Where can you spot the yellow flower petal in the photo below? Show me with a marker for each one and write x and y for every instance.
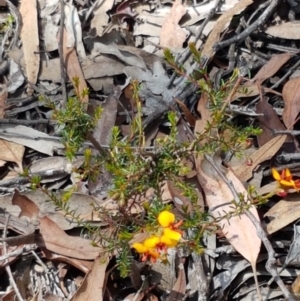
(168, 242)
(287, 183)
(151, 242)
(140, 248)
(171, 234)
(287, 173)
(276, 174)
(166, 218)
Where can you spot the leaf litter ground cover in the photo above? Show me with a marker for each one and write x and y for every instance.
(149, 150)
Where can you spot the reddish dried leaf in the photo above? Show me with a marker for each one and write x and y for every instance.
(83, 265)
(9, 296)
(266, 152)
(187, 113)
(56, 240)
(272, 66)
(28, 207)
(249, 89)
(140, 297)
(268, 122)
(172, 35)
(53, 237)
(103, 130)
(291, 97)
(203, 110)
(73, 66)
(30, 40)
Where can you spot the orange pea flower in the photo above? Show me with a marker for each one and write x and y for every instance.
(285, 179)
(154, 246)
(148, 249)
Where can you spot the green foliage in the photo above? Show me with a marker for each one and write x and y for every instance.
(136, 169)
(213, 138)
(75, 121)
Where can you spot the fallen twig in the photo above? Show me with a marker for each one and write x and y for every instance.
(254, 26)
(187, 54)
(7, 267)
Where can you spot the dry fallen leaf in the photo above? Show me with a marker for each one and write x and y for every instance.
(271, 67)
(102, 135)
(179, 288)
(208, 50)
(73, 66)
(267, 188)
(28, 207)
(238, 229)
(296, 286)
(268, 122)
(250, 90)
(83, 265)
(203, 110)
(247, 90)
(52, 237)
(81, 203)
(101, 18)
(172, 35)
(56, 240)
(12, 152)
(291, 97)
(187, 113)
(30, 40)
(283, 213)
(288, 30)
(264, 153)
(93, 285)
(30, 137)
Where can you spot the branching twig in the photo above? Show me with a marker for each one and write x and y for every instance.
(254, 26)
(7, 266)
(186, 55)
(286, 157)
